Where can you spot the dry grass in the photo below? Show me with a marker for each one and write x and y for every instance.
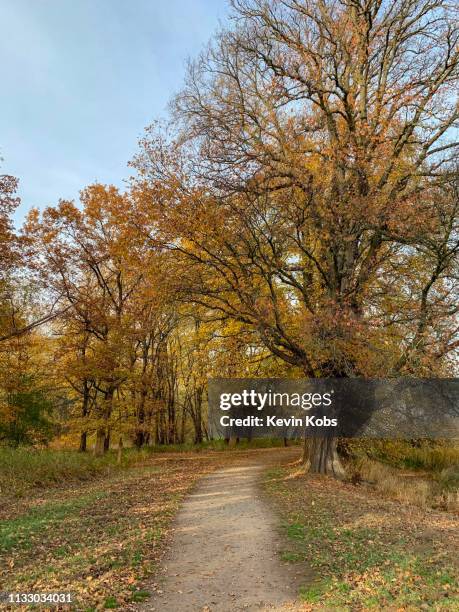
(421, 489)
(424, 455)
(393, 485)
(420, 472)
(26, 469)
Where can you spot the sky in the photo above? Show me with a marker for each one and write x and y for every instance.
(81, 79)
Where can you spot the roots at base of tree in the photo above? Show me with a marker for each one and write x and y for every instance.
(320, 455)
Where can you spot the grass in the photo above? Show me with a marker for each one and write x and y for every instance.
(89, 526)
(222, 445)
(436, 490)
(425, 455)
(101, 536)
(18, 533)
(24, 469)
(366, 552)
(101, 540)
(426, 474)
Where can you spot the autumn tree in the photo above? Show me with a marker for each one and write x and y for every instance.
(21, 307)
(28, 394)
(25, 392)
(9, 201)
(308, 183)
(117, 316)
(9, 254)
(84, 257)
(153, 381)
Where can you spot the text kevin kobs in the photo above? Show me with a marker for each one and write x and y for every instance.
(255, 400)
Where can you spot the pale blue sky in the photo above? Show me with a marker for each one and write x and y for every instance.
(80, 80)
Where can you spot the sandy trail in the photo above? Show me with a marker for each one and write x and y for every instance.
(225, 550)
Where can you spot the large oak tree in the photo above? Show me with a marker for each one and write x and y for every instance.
(310, 184)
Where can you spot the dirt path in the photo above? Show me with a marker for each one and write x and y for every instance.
(225, 551)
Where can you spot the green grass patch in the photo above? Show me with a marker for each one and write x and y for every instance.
(19, 532)
(363, 557)
(111, 603)
(140, 595)
(313, 593)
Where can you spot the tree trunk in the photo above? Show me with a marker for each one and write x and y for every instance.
(139, 439)
(120, 450)
(140, 433)
(171, 423)
(182, 427)
(197, 428)
(233, 441)
(99, 446)
(83, 442)
(102, 444)
(197, 415)
(321, 456)
(84, 414)
(107, 441)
